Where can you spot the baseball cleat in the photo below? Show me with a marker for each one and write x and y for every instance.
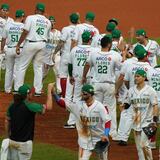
(122, 143)
(69, 126)
(37, 94)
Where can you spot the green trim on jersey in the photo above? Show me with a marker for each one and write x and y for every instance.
(34, 107)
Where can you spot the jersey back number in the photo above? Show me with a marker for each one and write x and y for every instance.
(102, 69)
(81, 61)
(156, 86)
(40, 31)
(14, 38)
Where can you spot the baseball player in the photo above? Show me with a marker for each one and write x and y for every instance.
(104, 63)
(10, 38)
(78, 57)
(36, 33)
(154, 82)
(143, 100)
(87, 26)
(141, 54)
(49, 49)
(92, 122)
(20, 119)
(150, 45)
(4, 11)
(65, 46)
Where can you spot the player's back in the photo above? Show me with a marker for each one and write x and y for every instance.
(78, 56)
(104, 65)
(66, 36)
(12, 33)
(130, 73)
(80, 28)
(38, 26)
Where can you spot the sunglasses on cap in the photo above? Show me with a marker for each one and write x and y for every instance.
(85, 93)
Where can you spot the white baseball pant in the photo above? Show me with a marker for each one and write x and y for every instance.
(125, 124)
(32, 51)
(105, 93)
(11, 66)
(142, 145)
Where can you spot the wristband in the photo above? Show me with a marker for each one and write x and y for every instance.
(56, 97)
(106, 131)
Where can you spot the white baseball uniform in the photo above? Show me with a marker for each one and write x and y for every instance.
(125, 122)
(78, 57)
(142, 102)
(66, 37)
(38, 27)
(104, 65)
(153, 48)
(90, 125)
(11, 33)
(80, 28)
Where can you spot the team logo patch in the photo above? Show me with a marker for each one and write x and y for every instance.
(109, 58)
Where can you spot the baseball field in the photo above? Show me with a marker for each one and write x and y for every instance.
(52, 142)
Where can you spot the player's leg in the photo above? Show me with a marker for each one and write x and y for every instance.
(110, 102)
(84, 154)
(137, 137)
(45, 70)
(38, 67)
(125, 126)
(56, 71)
(69, 95)
(63, 73)
(10, 60)
(24, 61)
(145, 146)
(98, 91)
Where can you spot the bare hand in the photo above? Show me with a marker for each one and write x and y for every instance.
(121, 107)
(84, 80)
(104, 139)
(71, 80)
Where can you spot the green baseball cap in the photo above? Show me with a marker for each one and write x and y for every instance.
(114, 20)
(109, 36)
(141, 73)
(141, 32)
(110, 27)
(88, 88)
(90, 16)
(5, 6)
(40, 7)
(74, 17)
(140, 52)
(116, 33)
(20, 13)
(86, 36)
(24, 90)
(52, 18)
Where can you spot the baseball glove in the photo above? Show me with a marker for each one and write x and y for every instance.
(150, 130)
(101, 147)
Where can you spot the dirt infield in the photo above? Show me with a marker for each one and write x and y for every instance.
(137, 13)
(49, 129)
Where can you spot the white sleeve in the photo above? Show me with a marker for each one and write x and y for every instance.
(27, 24)
(153, 97)
(75, 35)
(118, 61)
(64, 34)
(4, 33)
(123, 68)
(126, 77)
(104, 114)
(70, 106)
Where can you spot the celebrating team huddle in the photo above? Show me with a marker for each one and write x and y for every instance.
(95, 73)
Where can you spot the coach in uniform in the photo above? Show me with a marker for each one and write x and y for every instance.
(20, 122)
(36, 33)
